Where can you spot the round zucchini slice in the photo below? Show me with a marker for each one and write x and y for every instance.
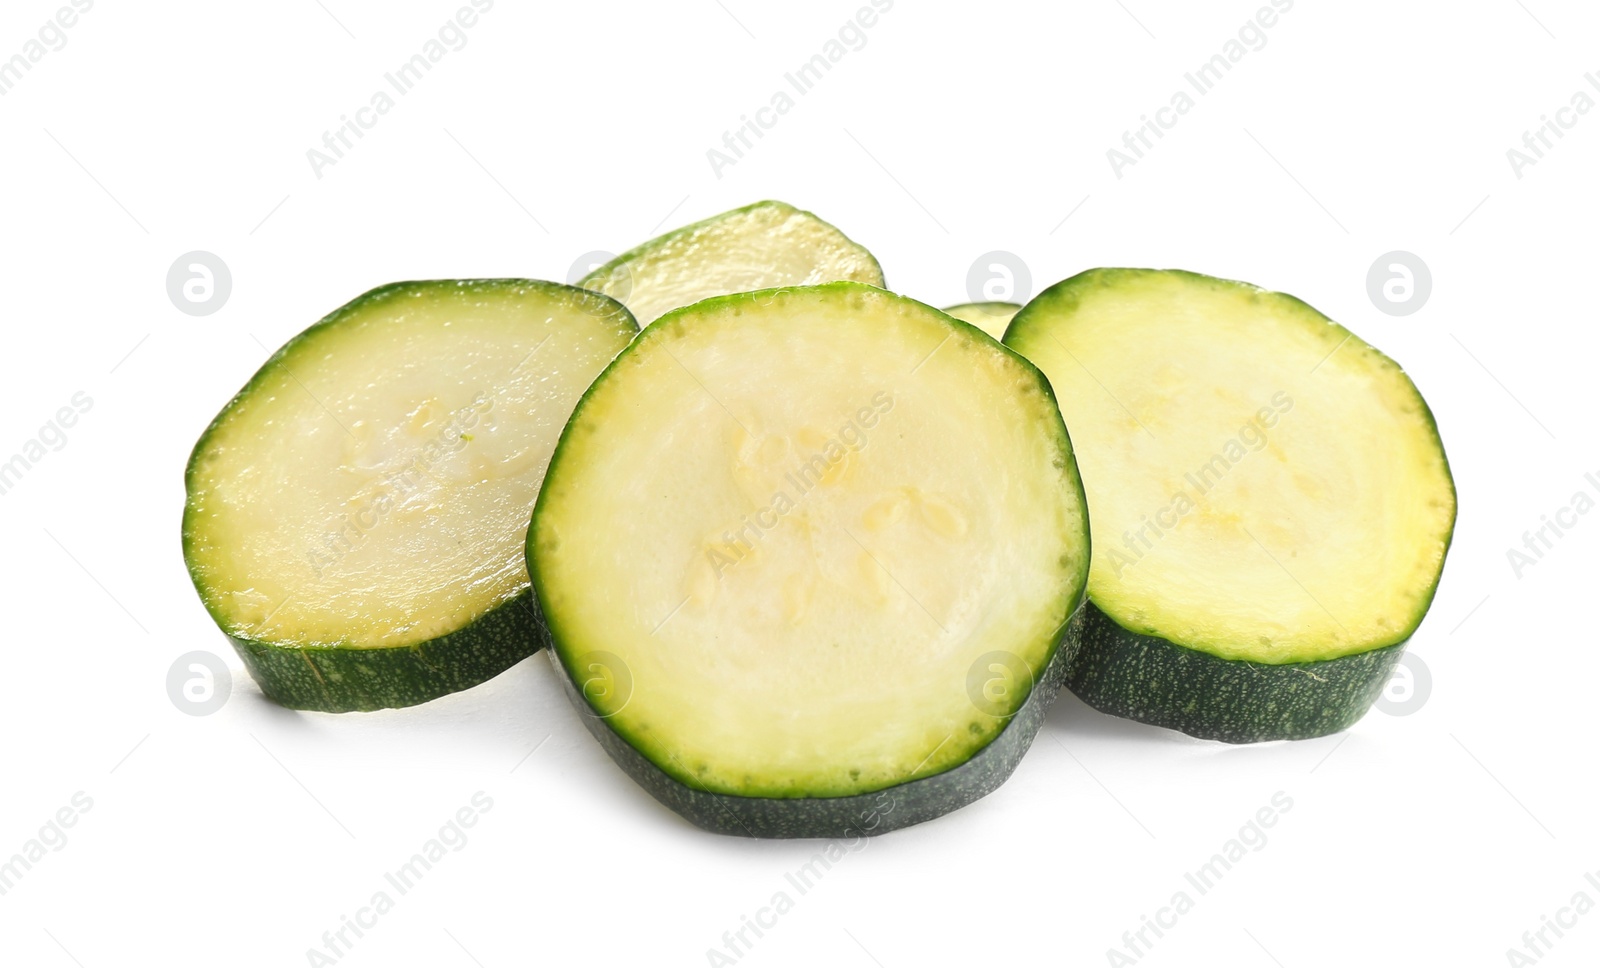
(991, 317)
(356, 515)
(809, 558)
(760, 246)
(1271, 502)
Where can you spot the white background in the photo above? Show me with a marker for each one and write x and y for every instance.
(239, 838)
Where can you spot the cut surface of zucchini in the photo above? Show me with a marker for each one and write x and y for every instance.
(356, 515)
(760, 246)
(991, 317)
(793, 552)
(1266, 488)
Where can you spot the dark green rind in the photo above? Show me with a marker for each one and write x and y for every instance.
(336, 679)
(1151, 680)
(601, 273)
(860, 815)
(342, 680)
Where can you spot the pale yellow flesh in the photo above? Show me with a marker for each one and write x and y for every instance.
(373, 489)
(1293, 497)
(932, 517)
(763, 246)
(991, 317)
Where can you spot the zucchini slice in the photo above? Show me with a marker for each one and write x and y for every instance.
(991, 317)
(760, 246)
(1271, 502)
(809, 556)
(356, 515)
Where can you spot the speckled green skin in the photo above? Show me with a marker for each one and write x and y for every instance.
(861, 815)
(343, 680)
(1152, 680)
